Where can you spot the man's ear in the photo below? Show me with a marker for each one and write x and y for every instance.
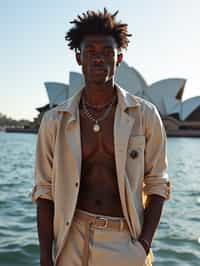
(78, 58)
(119, 58)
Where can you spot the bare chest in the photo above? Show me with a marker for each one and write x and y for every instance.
(95, 144)
(98, 173)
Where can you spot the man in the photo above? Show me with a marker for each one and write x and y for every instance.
(101, 162)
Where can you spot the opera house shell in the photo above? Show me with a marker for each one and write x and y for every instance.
(181, 118)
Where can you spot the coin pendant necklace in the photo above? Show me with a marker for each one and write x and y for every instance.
(96, 126)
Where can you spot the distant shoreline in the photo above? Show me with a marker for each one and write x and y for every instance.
(170, 133)
(21, 130)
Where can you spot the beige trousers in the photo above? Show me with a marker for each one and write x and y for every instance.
(94, 245)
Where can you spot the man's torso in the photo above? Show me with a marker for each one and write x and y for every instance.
(99, 189)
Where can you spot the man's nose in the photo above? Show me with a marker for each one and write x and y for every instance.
(98, 60)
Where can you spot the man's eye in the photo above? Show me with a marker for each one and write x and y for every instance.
(90, 52)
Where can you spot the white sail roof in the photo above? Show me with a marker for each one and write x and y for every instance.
(57, 92)
(165, 94)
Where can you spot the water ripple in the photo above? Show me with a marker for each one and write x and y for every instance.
(177, 239)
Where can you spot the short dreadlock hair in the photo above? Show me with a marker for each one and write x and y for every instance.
(99, 22)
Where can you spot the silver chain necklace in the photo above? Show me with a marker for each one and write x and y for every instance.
(102, 106)
(96, 126)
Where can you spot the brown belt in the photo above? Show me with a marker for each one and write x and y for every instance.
(99, 222)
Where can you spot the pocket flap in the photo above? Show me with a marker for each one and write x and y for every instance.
(137, 140)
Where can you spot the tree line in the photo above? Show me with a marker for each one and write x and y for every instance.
(6, 121)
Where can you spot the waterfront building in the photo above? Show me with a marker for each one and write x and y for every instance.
(180, 117)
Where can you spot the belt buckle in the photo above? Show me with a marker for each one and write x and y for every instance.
(103, 219)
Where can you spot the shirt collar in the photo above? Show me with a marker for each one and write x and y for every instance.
(125, 100)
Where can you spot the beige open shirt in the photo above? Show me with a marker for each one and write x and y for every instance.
(138, 131)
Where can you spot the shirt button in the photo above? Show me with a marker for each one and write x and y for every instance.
(76, 184)
(134, 154)
(67, 223)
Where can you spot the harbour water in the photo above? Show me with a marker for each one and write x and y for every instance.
(177, 241)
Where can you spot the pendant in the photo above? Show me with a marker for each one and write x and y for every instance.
(96, 127)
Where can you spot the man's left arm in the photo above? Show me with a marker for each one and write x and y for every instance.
(156, 183)
(152, 214)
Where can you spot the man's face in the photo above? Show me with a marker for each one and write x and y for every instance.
(98, 57)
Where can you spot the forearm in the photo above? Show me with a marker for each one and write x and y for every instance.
(45, 213)
(152, 216)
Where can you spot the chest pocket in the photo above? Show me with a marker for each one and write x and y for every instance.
(135, 161)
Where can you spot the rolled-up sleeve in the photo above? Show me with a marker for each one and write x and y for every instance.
(43, 162)
(156, 180)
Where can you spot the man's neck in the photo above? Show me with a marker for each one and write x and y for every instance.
(96, 94)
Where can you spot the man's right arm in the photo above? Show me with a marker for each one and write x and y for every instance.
(42, 190)
(45, 213)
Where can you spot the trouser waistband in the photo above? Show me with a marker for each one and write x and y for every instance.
(98, 221)
(102, 221)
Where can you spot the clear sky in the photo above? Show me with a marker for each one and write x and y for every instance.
(165, 44)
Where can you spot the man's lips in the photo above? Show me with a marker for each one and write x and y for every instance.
(98, 70)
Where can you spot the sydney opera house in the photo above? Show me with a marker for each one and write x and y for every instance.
(181, 118)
